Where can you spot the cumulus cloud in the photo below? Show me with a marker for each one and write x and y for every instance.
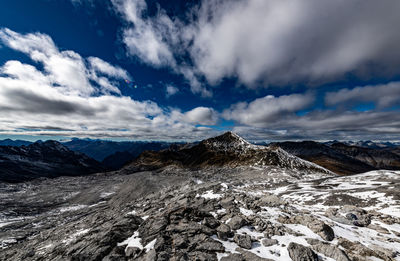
(171, 90)
(67, 69)
(384, 95)
(201, 115)
(70, 95)
(145, 39)
(264, 111)
(288, 117)
(268, 42)
(328, 125)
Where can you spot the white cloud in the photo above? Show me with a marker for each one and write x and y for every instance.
(328, 125)
(264, 111)
(384, 95)
(104, 67)
(145, 38)
(268, 42)
(171, 90)
(71, 96)
(156, 41)
(201, 115)
(66, 69)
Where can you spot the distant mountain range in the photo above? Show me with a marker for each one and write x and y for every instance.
(345, 159)
(21, 160)
(10, 142)
(368, 144)
(44, 159)
(111, 153)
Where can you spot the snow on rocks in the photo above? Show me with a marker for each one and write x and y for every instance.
(256, 216)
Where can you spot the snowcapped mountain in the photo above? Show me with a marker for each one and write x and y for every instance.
(226, 150)
(43, 159)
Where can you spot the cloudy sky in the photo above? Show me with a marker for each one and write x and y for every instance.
(186, 70)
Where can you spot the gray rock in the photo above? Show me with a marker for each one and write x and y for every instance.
(271, 200)
(269, 242)
(223, 232)
(299, 252)
(179, 241)
(211, 245)
(331, 251)
(236, 222)
(322, 229)
(132, 251)
(233, 257)
(202, 256)
(243, 241)
(313, 241)
(249, 256)
(227, 202)
(210, 222)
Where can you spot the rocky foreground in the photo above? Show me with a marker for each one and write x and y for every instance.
(213, 214)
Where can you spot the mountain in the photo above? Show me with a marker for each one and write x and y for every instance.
(117, 160)
(377, 158)
(325, 156)
(227, 150)
(101, 149)
(262, 204)
(10, 142)
(342, 158)
(43, 159)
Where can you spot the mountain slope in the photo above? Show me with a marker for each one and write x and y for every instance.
(43, 159)
(101, 149)
(378, 158)
(325, 156)
(227, 150)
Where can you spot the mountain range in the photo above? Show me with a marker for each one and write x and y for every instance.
(23, 160)
(113, 154)
(43, 159)
(221, 199)
(226, 150)
(342, 158)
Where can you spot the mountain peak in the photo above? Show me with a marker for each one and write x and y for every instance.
(229, 137)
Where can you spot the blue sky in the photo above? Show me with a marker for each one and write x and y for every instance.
(186, 70)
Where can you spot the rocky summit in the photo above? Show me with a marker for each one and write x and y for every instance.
(188, 209)
(227, 150)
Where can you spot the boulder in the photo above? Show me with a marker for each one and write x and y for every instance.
(243, 241)
(236, 222)
(299, 252)
(331, 251)
(233, 257)
(322, 229)
(211, 245)
(223, 232)
(269, 242)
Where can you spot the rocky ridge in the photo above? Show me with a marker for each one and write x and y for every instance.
(227, 150)
(43, 159)
(342, 158)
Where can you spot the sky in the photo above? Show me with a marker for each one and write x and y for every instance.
(268, 70)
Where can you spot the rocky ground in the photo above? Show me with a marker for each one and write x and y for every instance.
(212, 214)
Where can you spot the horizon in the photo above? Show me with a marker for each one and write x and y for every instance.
(34, 139)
